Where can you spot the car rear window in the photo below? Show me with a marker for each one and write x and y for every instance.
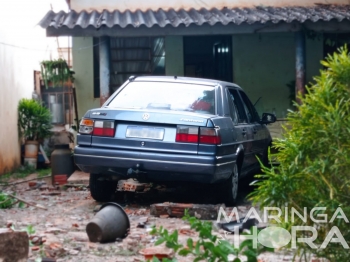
(166, 96)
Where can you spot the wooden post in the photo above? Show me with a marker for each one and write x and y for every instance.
(300, 64)
(104, 50)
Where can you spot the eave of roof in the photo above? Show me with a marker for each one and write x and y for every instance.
(225, 16)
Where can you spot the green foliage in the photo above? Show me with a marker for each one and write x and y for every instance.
(314, 157)
(30, 229)
(56, 71)
(6, 201)
(23, 172)
(209, 247)
(34, 120)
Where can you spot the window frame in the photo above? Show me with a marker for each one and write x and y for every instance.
(248, 105)
(241, 113)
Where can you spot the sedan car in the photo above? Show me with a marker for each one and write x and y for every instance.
(172, 129)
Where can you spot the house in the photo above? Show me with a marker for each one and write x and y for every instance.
(22, 46)
(270, 48)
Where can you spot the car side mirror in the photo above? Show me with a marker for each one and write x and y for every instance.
(268, 118)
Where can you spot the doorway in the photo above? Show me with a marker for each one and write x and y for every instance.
(208, 57)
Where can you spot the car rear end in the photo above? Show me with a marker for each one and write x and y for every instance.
(155, 131)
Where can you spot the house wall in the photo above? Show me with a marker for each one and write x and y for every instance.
(263, 65)
(174, 56)
(89, 5)
(83, 67)
(23, 45)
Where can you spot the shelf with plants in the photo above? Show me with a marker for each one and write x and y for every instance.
(56, 73)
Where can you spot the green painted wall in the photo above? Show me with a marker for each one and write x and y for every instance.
(174, 55)
(83, 67)
(264, 63)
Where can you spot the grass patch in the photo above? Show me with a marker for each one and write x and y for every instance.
(23, 172)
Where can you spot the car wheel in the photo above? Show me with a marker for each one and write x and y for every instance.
(101, 190)
(230, 189)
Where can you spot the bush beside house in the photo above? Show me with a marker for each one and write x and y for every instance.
(314, 157)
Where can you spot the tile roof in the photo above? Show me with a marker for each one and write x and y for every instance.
(162, 18)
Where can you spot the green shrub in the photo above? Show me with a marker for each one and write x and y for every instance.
(314, 157)
(34, 120)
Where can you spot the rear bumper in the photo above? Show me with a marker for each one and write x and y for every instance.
(154, 166)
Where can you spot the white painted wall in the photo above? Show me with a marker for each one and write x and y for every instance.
(89, 5)
(23, 45)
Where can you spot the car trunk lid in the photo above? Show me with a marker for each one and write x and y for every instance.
(153, 130)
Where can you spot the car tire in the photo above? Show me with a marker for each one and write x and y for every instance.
(230, 187)
(102, 190)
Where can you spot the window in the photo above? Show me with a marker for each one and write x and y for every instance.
(253, 116)
(242, 117)
(136, 56)
(166, 96)
(233, 110)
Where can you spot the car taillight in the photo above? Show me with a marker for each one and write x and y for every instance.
(187, 134)
(97, 127)
(103, 128)
(209, 136)
(86, 126)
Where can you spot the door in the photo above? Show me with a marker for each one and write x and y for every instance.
(244, 130)
(259, 134)
(208, 57)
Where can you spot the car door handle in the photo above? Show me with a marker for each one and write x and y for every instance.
(244, 132)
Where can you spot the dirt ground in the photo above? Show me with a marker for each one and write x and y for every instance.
(61, 227)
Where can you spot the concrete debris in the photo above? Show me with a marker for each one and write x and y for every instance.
(37, 240)
(73, 252)
(52, 193)
(36, 184)
(142, 222)
(79, 177)
(55, 230)
(48, 259)
(54, 250)
(159, 252)
(131, 185)
(14, 245)
(186, 230)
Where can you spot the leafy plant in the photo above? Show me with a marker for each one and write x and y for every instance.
(34, 120)
(56, 71)
(6, 201)
(314, 158)
(208, 247)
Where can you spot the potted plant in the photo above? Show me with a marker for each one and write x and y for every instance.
(56, 72)
(34, 122)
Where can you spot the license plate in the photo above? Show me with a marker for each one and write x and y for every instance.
(145, 132)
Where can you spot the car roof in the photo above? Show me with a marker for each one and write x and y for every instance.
(181, 79)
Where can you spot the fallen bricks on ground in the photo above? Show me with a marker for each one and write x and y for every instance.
(200, 211)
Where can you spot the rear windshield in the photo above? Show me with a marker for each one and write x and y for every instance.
(166, 96)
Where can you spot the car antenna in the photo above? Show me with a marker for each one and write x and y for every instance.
(257, 100)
